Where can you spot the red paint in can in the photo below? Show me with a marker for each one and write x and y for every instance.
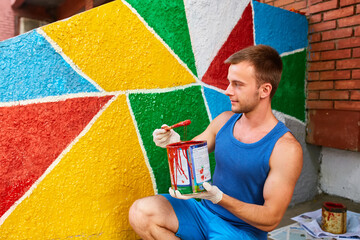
(189, 166)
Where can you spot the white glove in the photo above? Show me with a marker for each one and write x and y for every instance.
(162, 137)
(213, 193)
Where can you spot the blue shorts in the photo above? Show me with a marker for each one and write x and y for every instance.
(197, 222)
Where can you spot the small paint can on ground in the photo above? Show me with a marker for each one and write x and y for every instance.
(333, 219)
(189, 166)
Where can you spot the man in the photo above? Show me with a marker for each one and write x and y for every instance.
(258, 162)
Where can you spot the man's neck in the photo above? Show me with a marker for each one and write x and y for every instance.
(253, 126)
(261, 117)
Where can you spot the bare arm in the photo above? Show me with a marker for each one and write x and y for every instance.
(210, 132)
(285, 168)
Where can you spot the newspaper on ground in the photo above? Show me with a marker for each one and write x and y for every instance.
(311, 221)
(291, 232)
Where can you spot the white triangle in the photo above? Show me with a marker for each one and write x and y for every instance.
(210, 23)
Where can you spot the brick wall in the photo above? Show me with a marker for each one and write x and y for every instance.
(7, 20)
(333, 80)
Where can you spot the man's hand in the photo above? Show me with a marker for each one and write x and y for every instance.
(213, 193)
(162, 137)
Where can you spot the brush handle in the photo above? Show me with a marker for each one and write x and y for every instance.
(180, 124)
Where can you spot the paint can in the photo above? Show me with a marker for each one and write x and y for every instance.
(189, 166)
(333, 218)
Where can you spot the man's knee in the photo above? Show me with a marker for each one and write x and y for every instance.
(144, 209)
(138, 210)
(153, 216)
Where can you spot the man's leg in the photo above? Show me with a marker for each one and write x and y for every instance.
(154, 218)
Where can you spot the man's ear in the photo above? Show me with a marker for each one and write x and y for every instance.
(265, 90)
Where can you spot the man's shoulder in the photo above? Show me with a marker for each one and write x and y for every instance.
(225, 116)
(222, 118)
(288, 143)
(220, 121)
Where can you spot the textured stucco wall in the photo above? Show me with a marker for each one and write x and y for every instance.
(307, 185)
(79, 100)
(340, 173)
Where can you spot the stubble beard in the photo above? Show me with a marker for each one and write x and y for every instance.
(247, 106)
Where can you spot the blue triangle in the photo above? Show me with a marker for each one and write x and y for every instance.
(30, 68)
(279, 28)
(217, 102)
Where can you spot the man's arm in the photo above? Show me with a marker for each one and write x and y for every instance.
(285, 168)
(210, 132)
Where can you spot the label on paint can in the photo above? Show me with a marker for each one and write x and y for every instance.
(189, 166)
(201, 165)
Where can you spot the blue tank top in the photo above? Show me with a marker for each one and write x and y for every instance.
(241, 170)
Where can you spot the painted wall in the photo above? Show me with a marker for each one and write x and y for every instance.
(341, 181)
(79, 100)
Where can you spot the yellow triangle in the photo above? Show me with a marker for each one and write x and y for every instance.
(114, 48)
(89, 192)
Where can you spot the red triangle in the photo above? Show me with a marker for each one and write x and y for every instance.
(33, 136)
(241, 37)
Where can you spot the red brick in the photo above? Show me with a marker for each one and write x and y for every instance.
(280, 3)
(338, 33)
(349, 21)
(321, 46)
(316, 37)
(312, 95)
(314, 56)
(347, 105)
(356, 52)
(315, 1)
(313, 76)
(348, 42)
(339, 13)
(269, 2)
(334, 128)
(296, 6)
(318, 27)
(315, 18)
(319, 66)
(355, 74)
(357, 30)
(319, 104)
(7, 23)
(348, 64)
(342, 95)
(348, 2)
(355, 95)
(89, 4)
(335, 75)
(323, 85)
(336, 54)
(347, 84)
(323, 6)
(358, 9)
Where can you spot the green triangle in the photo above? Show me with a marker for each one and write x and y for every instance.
(168, 19)
(290, 95)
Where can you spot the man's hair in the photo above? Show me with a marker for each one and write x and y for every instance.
(266, 62)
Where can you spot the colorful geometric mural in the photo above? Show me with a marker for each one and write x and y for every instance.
(80, 98)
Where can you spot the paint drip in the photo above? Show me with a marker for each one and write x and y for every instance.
(189, 166)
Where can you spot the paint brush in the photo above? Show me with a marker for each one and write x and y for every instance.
(180, 124)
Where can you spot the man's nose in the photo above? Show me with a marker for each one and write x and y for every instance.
(228, 90)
